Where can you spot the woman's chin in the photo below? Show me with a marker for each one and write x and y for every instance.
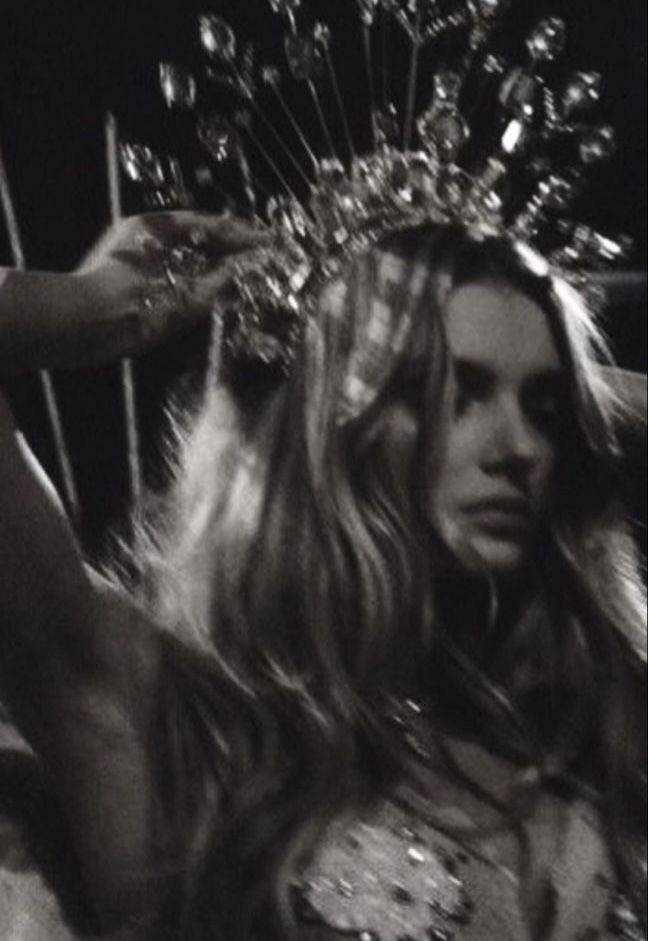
(501, 557)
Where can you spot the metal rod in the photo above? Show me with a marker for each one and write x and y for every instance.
(385, 59)
(127, 369)
(47, 386)
(411, 96)
(270, 126)
(284, 146)
(320, 114)
(10, 217)
(366, 34)
(340, 103)
(271, 163)
(295, 125)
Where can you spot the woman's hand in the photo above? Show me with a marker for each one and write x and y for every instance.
(151, 275)
(148, 277)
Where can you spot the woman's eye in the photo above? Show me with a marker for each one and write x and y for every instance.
(471, 387)
(462, 402)
(545, 411)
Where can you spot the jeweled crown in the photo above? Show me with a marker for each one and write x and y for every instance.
(520, 179)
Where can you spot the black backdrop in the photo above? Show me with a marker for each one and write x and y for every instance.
(63, 63)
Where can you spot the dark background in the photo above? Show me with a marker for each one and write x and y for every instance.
(64, 63)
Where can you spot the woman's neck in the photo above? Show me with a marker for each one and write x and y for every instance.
(482, 618)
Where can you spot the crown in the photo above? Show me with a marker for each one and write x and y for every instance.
(496, 148)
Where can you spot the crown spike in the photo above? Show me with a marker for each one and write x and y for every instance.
(412, 86)
(330, 143)
(254, 138)
(349, 208)
(248, 92)
(284, 146)
(384, 62)
(323, 34)
(368, 60)
(304, 59)
(272, 79)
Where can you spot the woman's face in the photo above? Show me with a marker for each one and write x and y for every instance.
(496, 474)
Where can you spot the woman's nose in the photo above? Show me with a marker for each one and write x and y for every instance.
(514, 442)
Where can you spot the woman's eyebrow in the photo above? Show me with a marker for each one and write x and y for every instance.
(478, 368)
(473, 369)
(550, 379)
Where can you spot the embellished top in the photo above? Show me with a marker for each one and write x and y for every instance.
(451, 869)
(446, 869)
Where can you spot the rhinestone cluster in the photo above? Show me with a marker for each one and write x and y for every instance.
(329, 208)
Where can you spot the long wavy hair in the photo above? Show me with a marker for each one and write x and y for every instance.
(300, 576)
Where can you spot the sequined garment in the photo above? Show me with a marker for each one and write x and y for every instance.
(392, 876)
(389, 877)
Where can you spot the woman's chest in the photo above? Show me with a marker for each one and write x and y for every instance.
(387, 878)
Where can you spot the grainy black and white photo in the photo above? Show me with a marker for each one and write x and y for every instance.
(323, 470)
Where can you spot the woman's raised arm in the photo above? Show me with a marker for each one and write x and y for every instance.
(146, 278)
(78, 671)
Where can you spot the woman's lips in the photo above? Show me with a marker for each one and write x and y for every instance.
(501, 516)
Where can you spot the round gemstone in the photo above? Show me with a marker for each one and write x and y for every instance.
(557, 192)
(285, 7)
(304, 57)
(548, 40)
(178, 87)
(141, 165)
(599, 145)
(322, 34)
(447, 86)
(444, 131)
(582, 91)
(218, 137)
(368, 10)
(520, 93)
(217, 37)
(490, 9)
(271, 75)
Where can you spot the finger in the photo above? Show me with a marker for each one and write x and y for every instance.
(120, 234)
(146, 263)
(223, 232)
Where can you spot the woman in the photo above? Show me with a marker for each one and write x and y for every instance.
(397, 692)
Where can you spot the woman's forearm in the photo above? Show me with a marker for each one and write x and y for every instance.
(128, 295)
(43, 318)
